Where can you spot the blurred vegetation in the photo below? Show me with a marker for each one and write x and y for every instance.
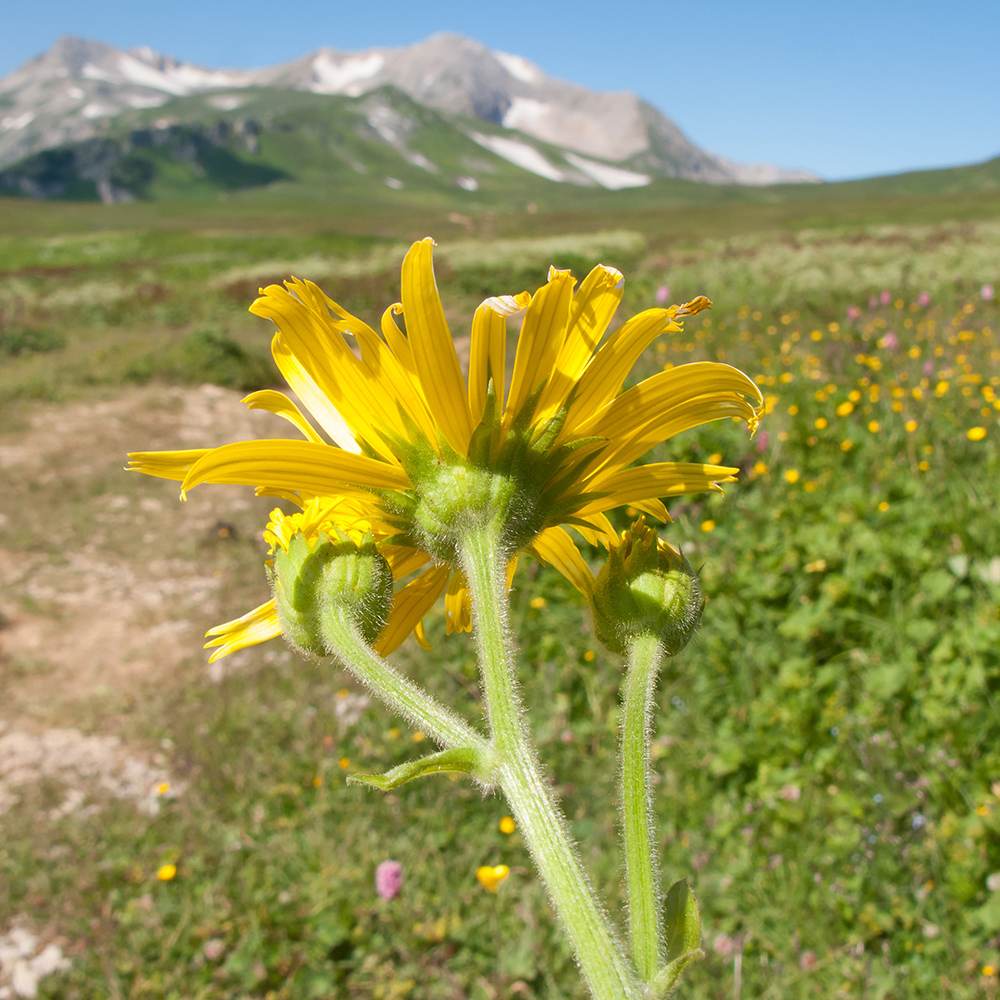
(827, 754)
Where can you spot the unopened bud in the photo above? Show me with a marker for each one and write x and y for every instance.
(318, 571)
(646, 587)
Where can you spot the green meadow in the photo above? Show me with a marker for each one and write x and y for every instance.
(826, 753)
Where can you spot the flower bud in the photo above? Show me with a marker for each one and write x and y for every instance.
(319, 570)
(645, 587)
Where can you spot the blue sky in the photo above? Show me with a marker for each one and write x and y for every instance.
(843, 89)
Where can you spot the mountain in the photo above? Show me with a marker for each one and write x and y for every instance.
(65, 118)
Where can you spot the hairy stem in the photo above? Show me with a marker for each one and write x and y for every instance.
(644, 901)
(605, 967)
(400, 694)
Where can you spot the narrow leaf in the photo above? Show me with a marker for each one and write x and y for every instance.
(460, 760)
(683, 936)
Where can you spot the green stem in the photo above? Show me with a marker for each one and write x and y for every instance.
(400, 694)
(644, 901)
(605, 967)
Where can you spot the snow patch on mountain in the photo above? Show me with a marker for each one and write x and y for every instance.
(343, 76)
(520, 154)
(612, 178)
(518, 67)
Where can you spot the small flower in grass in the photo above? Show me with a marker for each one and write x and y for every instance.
(883, 506)
(538, 603)
(708, 526)
(886, 297)
(890, 341)
(986, 293)
(162, 788)
(924, 300)
(911, 426)
(167, 873)
(662, 295)
(792, 476)
(490, 878)
(507, 825)
(389, 879)
(989, 970)
(976, 433)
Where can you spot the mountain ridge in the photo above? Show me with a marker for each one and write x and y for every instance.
(71, 92)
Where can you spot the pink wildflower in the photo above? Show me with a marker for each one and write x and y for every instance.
(890, 341)
(928, 367)
(388, 879)
(886, 297)
(853, 312)
(762, 440)
(924, 300)
(662, 295)
(986, 293)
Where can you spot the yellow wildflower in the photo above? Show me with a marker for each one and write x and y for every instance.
(490, 878)
(402, 444)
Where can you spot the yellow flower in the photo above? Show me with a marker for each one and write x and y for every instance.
(976, 433)
(402, 447)
(792, 476)
(845, 409)
(708, 526)
(490, 878)
(167, 873)
(911, 426)
(507, 825)
(821, 423)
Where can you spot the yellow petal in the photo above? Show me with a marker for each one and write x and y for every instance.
(403, 560)
(458, 604)
(488, 352)
(594, 306)
(165, 464)
(320, 349)
(661, 479)
(279, 404)
(397, 341)
(597, 531)
(554, 546)
(304, 386)
(646, 402)
(610, 366)
(433, 349)
(542, 334)
(318, 468)
(254, 627)
(409, 606)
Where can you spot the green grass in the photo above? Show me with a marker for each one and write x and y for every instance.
(826, 750)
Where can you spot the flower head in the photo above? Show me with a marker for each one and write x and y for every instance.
(402, 448)
(646, 586)
(389, 879)
(491, 877)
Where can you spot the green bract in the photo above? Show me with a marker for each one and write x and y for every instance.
(331, 576)
(645, 588)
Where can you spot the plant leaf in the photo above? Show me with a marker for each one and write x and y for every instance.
(459, 760)
(683, 935)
